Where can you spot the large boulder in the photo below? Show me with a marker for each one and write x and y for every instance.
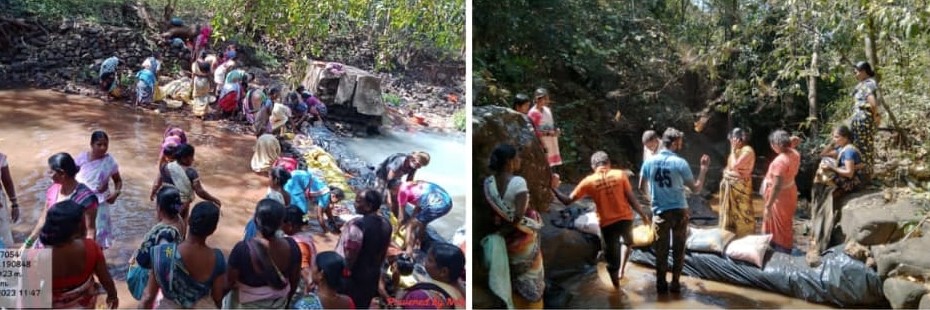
(492, 125)
(348, 86)
(904, 258)
(367, 99)
(566, 252)
(870, 221)
(904, 294)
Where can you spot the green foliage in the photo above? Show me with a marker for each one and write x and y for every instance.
(266, 59)
(658, 63)
(58, 9)
(395, 26)
(127, 80)
(458, 120)
(392, 99)
(175, 70)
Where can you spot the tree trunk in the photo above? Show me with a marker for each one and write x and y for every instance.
(871, 52)
(812, 89)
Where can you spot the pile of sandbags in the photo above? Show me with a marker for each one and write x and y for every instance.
(324, 165)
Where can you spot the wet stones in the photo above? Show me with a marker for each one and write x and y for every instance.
(870, 221)
(66, 51)
(904, 258)
(566, 252)
(492, 125)
(904, 294)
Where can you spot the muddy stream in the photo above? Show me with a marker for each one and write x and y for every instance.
(34, 124)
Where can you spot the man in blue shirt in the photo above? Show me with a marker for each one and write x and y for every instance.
(668, 174)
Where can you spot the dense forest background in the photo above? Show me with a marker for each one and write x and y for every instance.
(393, 33)
(617, 68)
(419, 45)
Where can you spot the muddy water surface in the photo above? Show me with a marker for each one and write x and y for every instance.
(34, 124)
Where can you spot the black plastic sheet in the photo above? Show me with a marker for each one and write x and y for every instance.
(362, 171)
(840, 280)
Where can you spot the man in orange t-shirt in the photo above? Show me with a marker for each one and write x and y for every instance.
(614, 202)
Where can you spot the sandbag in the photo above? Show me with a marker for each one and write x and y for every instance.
(840, 280)
(711, 240)
(179, 89)
(643, 236)
(588, 223)
(323, 165)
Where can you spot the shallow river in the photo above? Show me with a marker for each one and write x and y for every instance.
(34, 124)
(448, 153)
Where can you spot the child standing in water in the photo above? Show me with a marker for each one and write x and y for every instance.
(97, 167)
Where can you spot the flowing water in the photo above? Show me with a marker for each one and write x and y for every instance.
(447, 154)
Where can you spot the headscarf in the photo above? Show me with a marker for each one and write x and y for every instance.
(176, 131)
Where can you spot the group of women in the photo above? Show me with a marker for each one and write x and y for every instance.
(845, 167)
(277, 265)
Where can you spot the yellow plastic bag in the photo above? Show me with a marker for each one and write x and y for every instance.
(159, 94)
(643, 236)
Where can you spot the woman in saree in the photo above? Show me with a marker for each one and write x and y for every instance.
(76, 261)
(96, 168)
(201, 89)
(264, 271)
(202, 40)
(109, 81)
(329, 273)
(280, 114)
(189, 274)
(517, 239)
(277, 177)
(364, 244)
(781, 193)
(221, 67)
(445, 264)
(267, 150)
(544, 123)
(736, 213)
(145, 87)
(865, 115)
(169, 229)
(232, 92)
(293, 228)
(842, 165)
(179, 174)
(63, 172)
(257, 108)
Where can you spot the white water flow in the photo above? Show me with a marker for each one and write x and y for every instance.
(448, 155)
